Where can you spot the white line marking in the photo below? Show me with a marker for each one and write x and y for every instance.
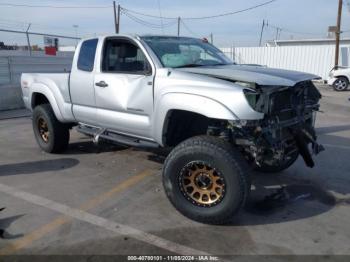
(337, 146)
(102, 222)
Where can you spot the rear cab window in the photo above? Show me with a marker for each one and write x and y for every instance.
(87, 53)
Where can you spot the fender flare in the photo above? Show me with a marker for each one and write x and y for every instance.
(341, 75)
(188, 102)
(47, 92)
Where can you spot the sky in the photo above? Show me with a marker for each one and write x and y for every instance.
(297, 18)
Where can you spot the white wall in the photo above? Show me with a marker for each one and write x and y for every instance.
(70, 49)
(12, 67)
(60, 53)
(317, 60)
(308, 42)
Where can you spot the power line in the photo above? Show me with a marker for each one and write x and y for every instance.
(23, 24)
(145, 15)
(232, 13)
(148, 24)
(50, 6)
(144, 23)
(35, 33)
(187, 28)
(204, 17)
(291, 31)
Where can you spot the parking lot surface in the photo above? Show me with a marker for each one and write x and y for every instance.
(109, 199)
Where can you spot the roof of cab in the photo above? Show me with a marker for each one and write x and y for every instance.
(135, 36)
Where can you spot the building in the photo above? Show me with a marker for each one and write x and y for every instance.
(66, 48)
(308, 42)
(315, 56)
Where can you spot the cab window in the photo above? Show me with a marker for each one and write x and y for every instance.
(87, 55)
(122, 56)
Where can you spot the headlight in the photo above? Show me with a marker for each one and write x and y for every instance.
(246, 84)
(252, 98)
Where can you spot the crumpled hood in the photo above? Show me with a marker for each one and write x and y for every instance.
(253, 74)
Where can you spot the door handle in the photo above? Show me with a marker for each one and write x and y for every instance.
(101, 84)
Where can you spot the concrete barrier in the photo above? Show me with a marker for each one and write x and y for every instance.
(10, 97)
(12, 67)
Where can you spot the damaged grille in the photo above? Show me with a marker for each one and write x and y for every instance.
(293, 102)
(287, 128)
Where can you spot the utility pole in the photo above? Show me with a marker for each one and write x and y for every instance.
(119, 13)
(76, 33)
(278, 30)
(178, 25)
(116, 18)
(211, 38)
(262, 31)
(337, 33)
(28, 42)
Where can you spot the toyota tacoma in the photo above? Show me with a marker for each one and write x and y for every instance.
(221, 120)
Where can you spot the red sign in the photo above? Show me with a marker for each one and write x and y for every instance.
(50, 50)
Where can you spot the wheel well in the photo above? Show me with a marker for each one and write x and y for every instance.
(39, 99)
(342, 76)
(180, 125)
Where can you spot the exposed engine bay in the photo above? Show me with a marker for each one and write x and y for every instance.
(287, 129)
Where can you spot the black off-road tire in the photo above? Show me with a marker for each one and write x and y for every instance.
(341, 84)
(264, 168)
(219, 155)
(58, 132)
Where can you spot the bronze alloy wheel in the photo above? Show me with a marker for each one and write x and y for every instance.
(51, 135)
(43, 130)
(202, 184)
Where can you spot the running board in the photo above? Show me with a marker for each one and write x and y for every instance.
(98, 133)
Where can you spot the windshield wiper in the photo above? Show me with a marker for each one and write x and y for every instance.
(221, 64)
(198, 65)
(188, 65)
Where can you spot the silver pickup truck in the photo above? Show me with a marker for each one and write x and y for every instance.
(221, 120)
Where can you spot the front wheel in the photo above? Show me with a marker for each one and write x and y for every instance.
(341, 84)
(52, 136)
(206, 179)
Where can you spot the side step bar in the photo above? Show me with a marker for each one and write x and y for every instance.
(98, 133)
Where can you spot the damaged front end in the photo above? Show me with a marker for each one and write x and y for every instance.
(287, 129)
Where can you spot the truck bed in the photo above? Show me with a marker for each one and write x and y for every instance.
(55, 81)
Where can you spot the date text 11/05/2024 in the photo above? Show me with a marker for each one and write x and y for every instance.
(173, 258)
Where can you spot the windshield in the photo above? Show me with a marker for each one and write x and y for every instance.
(178, 52)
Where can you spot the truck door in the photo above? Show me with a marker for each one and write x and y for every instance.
(82, 83)
(124, 87)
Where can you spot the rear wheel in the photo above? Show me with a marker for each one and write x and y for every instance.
(206, 179)
(51, 135)
(341, 84)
